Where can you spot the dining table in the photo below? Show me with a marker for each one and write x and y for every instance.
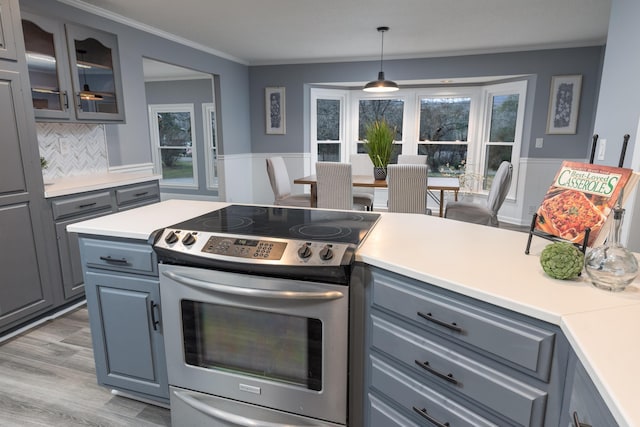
(434, 184)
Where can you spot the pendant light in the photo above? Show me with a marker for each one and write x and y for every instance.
(381, 85)
(86, 93)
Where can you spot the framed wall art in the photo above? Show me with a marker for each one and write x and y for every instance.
(564, 103)
(274, 98)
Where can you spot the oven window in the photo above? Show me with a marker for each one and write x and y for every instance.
(258, 343)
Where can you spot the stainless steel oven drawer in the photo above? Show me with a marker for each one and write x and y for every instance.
(522, 344)
(190, 408)
(457, 373)
(119, 256)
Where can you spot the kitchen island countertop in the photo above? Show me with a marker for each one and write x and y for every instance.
(481, 262)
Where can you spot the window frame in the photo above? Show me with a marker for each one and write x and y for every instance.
(342, 96)
(154, 110)
(211, 145)
(517, 87)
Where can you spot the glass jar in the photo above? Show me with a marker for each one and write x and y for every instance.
(612, 267)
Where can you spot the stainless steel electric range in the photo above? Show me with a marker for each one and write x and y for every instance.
(255, 308)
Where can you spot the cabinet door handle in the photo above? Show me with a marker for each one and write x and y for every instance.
(154, 322)
(576, 421)
(86, 205)
(66, 100)
(121, 261)
(452, 326)
(423, 413)
(79, 101)
(447, 377)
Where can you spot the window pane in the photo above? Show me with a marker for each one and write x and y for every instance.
(396, 149)
(495, 155)
(444, 159)
(504, 113)
(371, 110)
(329, 152)
(174, 130)
(328, 118)
(444, 119)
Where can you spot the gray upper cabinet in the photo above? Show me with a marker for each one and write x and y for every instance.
(74, 71)
(95, 73)
(47, 60)
(7, 40)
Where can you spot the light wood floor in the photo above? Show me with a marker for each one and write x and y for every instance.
(47, 378)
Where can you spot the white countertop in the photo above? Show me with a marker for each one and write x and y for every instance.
(481, 262)
(81, 183)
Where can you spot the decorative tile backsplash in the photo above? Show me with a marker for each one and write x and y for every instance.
(72, 149)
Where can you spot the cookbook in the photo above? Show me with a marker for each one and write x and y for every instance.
(581, 196)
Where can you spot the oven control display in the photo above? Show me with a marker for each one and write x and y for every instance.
(245, 248)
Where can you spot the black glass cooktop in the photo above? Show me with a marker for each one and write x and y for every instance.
(285, 223)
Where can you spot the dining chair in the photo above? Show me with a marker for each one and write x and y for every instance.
(412, 159)
(407, 186)
(485, 214)
(281, 185)
(334, 188)
(361, 164)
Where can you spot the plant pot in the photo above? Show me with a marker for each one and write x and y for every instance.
(379, 173)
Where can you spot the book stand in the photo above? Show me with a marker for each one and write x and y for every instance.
(582, 246)
(533, 232)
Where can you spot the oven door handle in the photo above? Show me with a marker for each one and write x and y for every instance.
(252, 292)
(227, 417)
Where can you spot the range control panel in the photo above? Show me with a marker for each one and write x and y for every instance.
(246, 249)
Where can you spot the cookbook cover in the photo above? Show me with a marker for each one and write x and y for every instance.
(581, 196)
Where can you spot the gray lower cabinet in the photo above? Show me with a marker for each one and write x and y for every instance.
(439, 358)
(583, 406)
(79, 207)
(123, 300)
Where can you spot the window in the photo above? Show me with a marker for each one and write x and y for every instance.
(390, 110)
(328, 126)
(444, 132)
(172, 134)
(462, 130)
(503, 129)
(211, 144)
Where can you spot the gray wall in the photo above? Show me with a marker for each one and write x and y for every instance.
(618, 106)
(196, 92)
(539, 65)
(129, 143)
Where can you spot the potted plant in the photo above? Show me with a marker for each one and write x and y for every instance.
(378, 145)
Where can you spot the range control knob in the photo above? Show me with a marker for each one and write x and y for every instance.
(304, 251)
(189, 239)
(171, 238)
(326, 253)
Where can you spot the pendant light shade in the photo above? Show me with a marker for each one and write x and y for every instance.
(381, 85)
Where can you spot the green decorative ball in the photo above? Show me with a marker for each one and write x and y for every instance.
(562, 260)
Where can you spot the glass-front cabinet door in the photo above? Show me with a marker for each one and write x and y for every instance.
(47, 63)
(95, 73)
(7, 40)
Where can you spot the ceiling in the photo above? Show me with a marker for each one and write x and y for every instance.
(259, 32)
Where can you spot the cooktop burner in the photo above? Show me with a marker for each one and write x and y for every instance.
(285, 223)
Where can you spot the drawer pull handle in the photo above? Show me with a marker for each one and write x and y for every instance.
(86, 205)
(423, 412)
(154, 321)
(577, 423)
(447, 377)
(144, 193)
(120, 261)
(453, 326)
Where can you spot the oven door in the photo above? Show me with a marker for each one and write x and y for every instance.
(277, 343)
